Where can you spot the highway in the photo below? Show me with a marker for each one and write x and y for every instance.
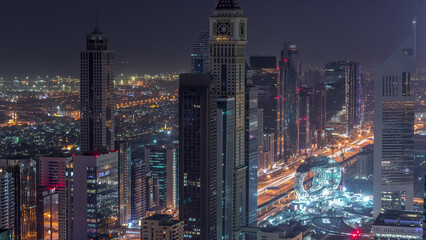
(282, 178)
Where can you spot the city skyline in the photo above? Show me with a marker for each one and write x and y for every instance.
(143, 45)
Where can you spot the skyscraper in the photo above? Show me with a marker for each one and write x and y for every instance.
(290, 74)
(200, 54)
(141, 189)
(305, 107)
(52, 174)
(95, 196)
(23, 220)
(163, 166)
(318, 116)
(124, 149)
(97, 93)
(342, 79)
(228, 38)
(226, 161)
(394, 130)
(198, 156)
(252, 148)
(265, 77)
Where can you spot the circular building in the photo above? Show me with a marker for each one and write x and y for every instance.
(326, 178)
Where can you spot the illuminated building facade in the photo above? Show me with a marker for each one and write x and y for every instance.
(95, 196)
(265, 77)
(401, 225)
(161, 227)
(342, 79)
(200, 54)
(141, 199)
(97, 94)
(225, 149)
(327, 175)
(48, 214)
(228, 38)
(163, 166)
(24, 218)
(394, 131)
(290, 74)
(52, 175)
(252, 148)
(125, 189)
(305, 108)
(198, 156)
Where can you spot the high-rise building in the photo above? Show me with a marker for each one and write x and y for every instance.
(200, 54)
(162, 227)
(23, 217)
(48, 214)
(141, 197)
(290, 74)
(364, 163)
(226, 161)
(317, 116)
(97, 94)
(124, 175)
(95, 196)
(342, 79)
(228, 38)
(198, 156)
(305, 108)
(52, 175)
(266, 159)
(265, 77)
(252, 148)
(163, 166)
(394, 131)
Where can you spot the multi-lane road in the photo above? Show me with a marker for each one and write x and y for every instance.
(281, 179)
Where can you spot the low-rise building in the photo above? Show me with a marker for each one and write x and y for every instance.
(161, 227)
(398, 225)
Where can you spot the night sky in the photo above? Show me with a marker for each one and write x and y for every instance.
(45, 36)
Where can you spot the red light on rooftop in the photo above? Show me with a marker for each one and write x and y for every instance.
(277, 97)
(285, 60)
(298, 89)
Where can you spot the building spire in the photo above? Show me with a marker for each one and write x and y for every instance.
(227, 5)
(96, 30)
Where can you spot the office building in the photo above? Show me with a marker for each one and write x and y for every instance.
(6, 234)
(163, 166)
(252, 147)
(200, 57)
(97, 94)
(290, 74)
(124, 149)
(364, 163)
(198, 156)
(23, 217)
(399, 225)
(48, 214)
(95, 196)
(342, 79)
(141, 198)
(394, 131)
(305, 108)
(317, 116)
(52, 175)
(161, 227)
(266, 159)
(228, 38)
(265, 77)
(226, 161)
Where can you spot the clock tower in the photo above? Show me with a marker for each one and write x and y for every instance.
(228, 38)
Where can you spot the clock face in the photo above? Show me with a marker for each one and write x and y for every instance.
(223, 29)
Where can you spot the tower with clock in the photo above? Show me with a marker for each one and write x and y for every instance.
(228, 39)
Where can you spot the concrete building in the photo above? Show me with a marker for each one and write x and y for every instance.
(124, 175)
(97, 93)
(394, 130)
(161, 227)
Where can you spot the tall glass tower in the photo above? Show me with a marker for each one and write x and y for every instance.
(394, 130)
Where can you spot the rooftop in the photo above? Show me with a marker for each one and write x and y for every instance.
(399, 218)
